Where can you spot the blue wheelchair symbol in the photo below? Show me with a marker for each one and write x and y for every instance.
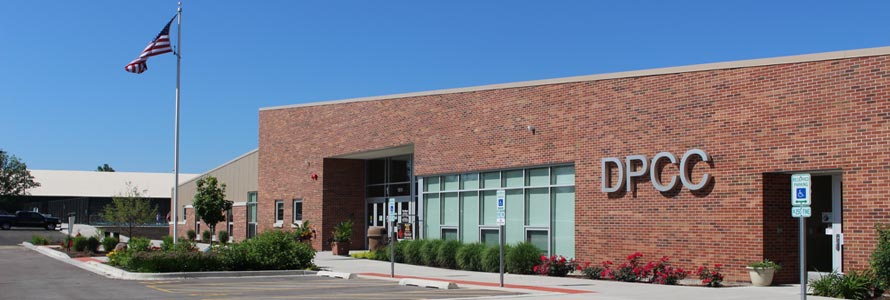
(801, 193)
(500, 202)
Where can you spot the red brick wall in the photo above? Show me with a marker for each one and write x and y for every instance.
(344, 199)
(752, 121)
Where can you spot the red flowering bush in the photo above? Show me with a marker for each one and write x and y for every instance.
(555, 266)
(591, 272)
(710, 277)
(664, 273)
(633, 270)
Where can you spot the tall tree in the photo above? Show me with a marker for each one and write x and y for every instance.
(130, 209)
(15, 180)
(105, 168)
(210, 203)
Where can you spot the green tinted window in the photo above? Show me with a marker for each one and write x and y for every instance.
(451, 182)
(431, 184)
(470, 221)
(537, 202)
(489, 207)
(449, 234)
(432, 207)
(450, 209)
(513, 178)
(491, 180)
(489, 237)
(469, 181)
(538, 238)
(537, 177)
(563, 175)
(564, 221)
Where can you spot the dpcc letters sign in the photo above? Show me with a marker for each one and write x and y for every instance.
(626, 172)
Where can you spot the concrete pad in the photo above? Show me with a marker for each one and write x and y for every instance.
(343, 275)
(442, 285)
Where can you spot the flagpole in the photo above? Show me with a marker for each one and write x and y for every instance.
(176, 124)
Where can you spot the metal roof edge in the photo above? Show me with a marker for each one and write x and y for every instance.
(625, 74)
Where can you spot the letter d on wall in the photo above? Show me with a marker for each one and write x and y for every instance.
(607, 174)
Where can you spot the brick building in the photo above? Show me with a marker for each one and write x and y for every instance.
(691, 162)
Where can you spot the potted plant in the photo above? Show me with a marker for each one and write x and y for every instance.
(762, 272)
(341, 238)
(303, 233)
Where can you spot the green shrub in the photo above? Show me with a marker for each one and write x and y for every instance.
(39, 240)
(223, 237)
(382, 254)
(80, 243)
(853, 285)
(400, 250)
(109, 243)
(273, 250)
(184, 245)
(206, 236)
(93, 244)
(413, 252)
(469, 257)
(429, 253)
(160, 261)
(167, 243)
(880, 259)
(446, 254)
(138, 244)
(522, 258)
(491, 258)
(192, 235)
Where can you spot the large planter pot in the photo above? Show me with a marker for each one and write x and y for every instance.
(761, 276)
(340, 248)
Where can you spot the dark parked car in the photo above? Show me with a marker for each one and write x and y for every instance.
(28, 219)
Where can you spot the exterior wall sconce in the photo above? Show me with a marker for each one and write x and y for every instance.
(531, 129)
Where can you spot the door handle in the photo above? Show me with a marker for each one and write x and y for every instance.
(838, 239)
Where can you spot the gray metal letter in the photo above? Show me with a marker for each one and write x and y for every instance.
(684, 170)
(631, 173)
(607, 174)
(655, 174)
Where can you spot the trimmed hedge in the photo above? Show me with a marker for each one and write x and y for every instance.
(446, 252)
(429, 252)
(109, 243)
(491, 258)
(274, 250)
(93, 244)
(412, 252)
(469, 257)
(522, 258)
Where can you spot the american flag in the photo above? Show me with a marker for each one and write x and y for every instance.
(158, 46)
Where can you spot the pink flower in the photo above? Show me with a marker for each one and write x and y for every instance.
(543, 258)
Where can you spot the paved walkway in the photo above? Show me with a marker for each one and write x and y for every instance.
(543, 287)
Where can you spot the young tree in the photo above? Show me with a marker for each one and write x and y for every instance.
(210, 203)
(105, 168)
(130, 209)
(15, 179)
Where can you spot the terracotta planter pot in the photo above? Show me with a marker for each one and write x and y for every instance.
(761, 276)
(340, 248)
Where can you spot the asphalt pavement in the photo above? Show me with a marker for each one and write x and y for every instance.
(16, 235)
(27, 274)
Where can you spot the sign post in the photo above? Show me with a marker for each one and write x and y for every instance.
(502, 222)
(392, 236)
(71, 219)
(800, 208)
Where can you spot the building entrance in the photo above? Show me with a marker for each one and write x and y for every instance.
(824, 233)
(391, 178)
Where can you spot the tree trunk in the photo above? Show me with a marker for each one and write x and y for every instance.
(212, 230)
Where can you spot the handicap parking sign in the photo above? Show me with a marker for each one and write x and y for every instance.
(801, 193)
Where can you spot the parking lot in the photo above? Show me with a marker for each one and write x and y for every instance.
(305, 287)
(39, 277)
(18, 235)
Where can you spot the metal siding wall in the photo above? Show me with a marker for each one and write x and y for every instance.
(240, 177)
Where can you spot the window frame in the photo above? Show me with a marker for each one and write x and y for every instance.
(294, 208)
(279, 218)
(455, 228)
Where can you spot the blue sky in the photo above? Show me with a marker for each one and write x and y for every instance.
(66, 103)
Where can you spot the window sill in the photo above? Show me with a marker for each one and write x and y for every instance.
(278, 224)
(296, 224)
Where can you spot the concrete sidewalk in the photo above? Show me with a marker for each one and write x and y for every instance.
(543, 287)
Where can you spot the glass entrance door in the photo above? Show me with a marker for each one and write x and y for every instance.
(391, 178)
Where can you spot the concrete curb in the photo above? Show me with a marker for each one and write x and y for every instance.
(336, 274)
(115, 273)
(442, 285)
